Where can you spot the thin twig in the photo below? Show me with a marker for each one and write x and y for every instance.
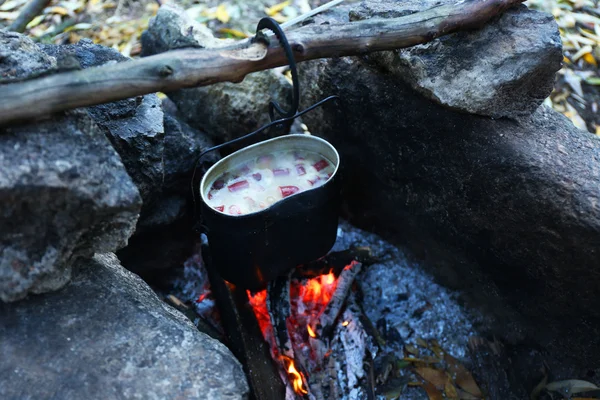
(29, 12)
(300, 18)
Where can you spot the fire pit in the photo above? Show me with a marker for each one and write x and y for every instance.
(360, 323)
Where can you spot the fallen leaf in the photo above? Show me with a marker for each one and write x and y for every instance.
(422, 343)
(574, 81)
(271, 11)
(450, 391)
(411, 349)
(9, 15)
(234, 32)
(11, 5)
(432, 391)
(589, 58)
(593, 80)
(436, 377)
(437, 349)
(59, 10)
(574, 116)
(222, 14)
(581, 52)
(571, 386)
(36, 21)
(462, 377)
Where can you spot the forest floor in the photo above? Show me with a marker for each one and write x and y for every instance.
(120, 23)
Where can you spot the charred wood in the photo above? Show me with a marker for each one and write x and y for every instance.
(330, 315)
(245, 339)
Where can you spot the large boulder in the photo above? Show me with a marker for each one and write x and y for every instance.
(505, 69)
(107, 336)
(64, 191)
(65, 194)
(509, 209)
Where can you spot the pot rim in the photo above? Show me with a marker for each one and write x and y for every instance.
(226, 162)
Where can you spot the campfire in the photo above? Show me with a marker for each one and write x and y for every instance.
(358, 323)
(297, 317)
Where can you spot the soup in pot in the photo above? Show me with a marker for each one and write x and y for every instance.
(257, 184)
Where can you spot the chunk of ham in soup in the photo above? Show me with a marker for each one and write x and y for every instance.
(256, 184)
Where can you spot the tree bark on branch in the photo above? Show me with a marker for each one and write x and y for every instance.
(199, 67)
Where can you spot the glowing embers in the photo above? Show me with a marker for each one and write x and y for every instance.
(297, 317)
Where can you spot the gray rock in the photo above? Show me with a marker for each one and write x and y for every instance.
(137, 133)
(64, 191)
(223, 110)
(134, 126)
(108, 336)
(505, 69)
(86, 52)
(183, 145)
(171, 29)
(165, 235)
(20, 57)
(64, 194)
(511, 208)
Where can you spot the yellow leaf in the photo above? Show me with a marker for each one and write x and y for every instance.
(222, 14)
(35, 22)
(271, 11)
(234, 32)
(566, 60)
(59, 10)
(589, 58)
(597, 130)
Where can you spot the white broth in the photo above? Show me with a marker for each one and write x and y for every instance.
(256, 184)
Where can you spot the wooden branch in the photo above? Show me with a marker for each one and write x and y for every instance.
(29, 12)
(199, 67)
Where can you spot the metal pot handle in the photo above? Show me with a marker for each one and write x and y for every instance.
(286, 116)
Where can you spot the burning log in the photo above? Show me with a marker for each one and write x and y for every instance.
(331, 313)
(245, 339)
(314, 329)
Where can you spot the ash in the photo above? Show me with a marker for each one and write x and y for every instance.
(407, 298)
(405, 303)
(193, 287)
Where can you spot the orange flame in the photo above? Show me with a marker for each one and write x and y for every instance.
(258, 301)
(308, 300)
(295, 377)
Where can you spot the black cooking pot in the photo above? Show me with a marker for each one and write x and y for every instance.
(250, 250)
